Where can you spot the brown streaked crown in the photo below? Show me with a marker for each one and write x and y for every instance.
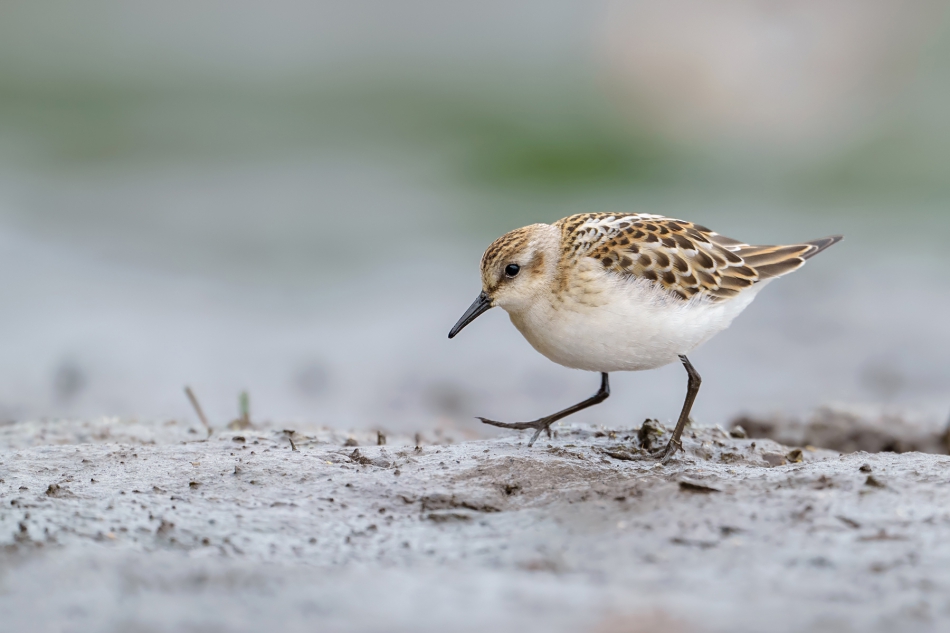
(683, 258)
(496, 256)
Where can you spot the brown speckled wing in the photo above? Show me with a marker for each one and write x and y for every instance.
(684, 258)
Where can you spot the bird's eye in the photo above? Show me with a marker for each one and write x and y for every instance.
(511, 270)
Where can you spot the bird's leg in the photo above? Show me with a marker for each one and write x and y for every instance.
(544, 424)
(692, 389)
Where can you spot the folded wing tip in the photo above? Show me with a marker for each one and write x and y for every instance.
(821, 244)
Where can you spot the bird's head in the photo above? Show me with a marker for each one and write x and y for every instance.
(516, 270)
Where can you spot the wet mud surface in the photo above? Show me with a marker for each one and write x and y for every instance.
(850, 429)
(119, 526)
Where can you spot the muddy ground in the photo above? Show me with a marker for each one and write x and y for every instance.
(111, 525)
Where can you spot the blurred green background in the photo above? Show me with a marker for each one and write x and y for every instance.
(291, 198)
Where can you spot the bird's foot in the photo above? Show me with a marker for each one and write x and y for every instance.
(660, 455)
(542, 424)
(665, 454)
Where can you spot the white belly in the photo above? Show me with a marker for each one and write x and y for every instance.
(625, 325)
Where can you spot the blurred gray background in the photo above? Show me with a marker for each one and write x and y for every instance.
(292, 198)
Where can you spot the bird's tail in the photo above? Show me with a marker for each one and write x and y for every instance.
(775, 261)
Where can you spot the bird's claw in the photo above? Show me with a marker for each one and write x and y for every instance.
(544, 424)
(665, 454)
(661, 455)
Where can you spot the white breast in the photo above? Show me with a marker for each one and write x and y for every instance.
(605, 323)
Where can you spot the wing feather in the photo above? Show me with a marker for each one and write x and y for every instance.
(686, 259)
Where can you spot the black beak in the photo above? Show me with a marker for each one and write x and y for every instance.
(482, 304)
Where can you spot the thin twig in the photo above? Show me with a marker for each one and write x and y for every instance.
(290, 436)
(194, 403)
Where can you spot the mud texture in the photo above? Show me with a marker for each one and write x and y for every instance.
(849, 429)
(119, 526)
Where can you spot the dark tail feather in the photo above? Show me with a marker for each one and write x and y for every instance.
(821, 245)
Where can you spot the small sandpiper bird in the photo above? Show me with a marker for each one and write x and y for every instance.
(610, 292)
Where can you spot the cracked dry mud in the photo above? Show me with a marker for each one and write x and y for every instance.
(119, 526)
